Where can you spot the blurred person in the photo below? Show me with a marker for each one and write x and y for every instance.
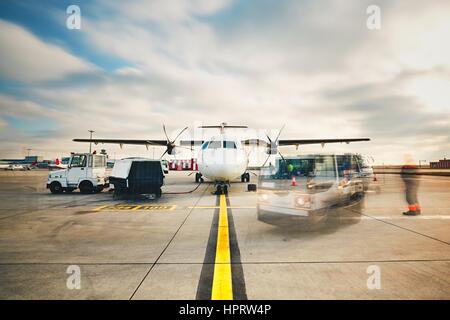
(290, 169)
(411, 181)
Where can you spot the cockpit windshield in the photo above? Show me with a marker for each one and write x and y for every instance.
(229, 145)
(218, 144)
(215, 145)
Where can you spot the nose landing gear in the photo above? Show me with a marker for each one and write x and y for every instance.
(221, 188)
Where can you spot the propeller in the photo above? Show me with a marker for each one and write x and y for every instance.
(171, 143)
(274, 145)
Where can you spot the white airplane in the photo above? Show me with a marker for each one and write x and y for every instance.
(222, 158)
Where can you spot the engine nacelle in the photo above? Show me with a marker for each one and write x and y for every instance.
(272, 148)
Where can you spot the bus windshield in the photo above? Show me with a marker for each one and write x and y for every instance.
(318, 168)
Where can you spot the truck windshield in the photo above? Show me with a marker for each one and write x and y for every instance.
(347, 165)
(78, 161)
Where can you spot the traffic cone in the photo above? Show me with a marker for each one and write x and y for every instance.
(375, 178)
(294, 182)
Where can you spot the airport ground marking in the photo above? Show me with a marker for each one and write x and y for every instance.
(133, 207)
(218, 207)
(222, 282)
(211, 268)
(165, 248)
(400, 227)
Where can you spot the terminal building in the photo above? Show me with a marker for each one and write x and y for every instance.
(441, 164)
(27, 160)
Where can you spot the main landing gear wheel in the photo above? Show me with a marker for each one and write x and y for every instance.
(198, 177)
(245, 177)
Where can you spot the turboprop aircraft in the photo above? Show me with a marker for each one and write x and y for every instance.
(222, 158)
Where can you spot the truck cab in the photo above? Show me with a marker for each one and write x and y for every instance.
(85, 171)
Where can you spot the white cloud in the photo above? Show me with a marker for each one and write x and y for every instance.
(26, 58)
(313, 66)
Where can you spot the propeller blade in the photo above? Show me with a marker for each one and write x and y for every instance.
(164, 154)
(165, 132)
(267, 159)
(278, 136)
(179, 134)
(279, 133)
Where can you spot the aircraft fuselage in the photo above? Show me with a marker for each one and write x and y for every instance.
(222, 159)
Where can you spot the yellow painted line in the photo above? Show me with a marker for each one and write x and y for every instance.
(222, 285)
(100, 208)
(132, 207)
(216, 207)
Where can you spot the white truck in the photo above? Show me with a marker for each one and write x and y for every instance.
(85, 171)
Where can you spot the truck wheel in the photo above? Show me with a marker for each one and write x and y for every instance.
(86, 187)
(251, 187)
(56, 187)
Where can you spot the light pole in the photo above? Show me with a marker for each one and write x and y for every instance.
(90, 143)
(28, 151)
(420, 163)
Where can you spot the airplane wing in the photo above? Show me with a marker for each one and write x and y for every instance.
(255, 142)
(162, 143)
(296, 142)
(191, 143)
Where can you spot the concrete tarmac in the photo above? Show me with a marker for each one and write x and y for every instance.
(147, 249)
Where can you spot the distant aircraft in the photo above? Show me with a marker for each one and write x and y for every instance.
(4, 165)
(222, 158)
(59, 164)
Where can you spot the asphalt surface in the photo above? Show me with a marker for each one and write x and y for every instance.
(167, 249)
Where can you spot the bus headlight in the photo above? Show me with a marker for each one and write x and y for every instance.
(302, 201)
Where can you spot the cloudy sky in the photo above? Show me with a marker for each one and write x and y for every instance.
(312, 65)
